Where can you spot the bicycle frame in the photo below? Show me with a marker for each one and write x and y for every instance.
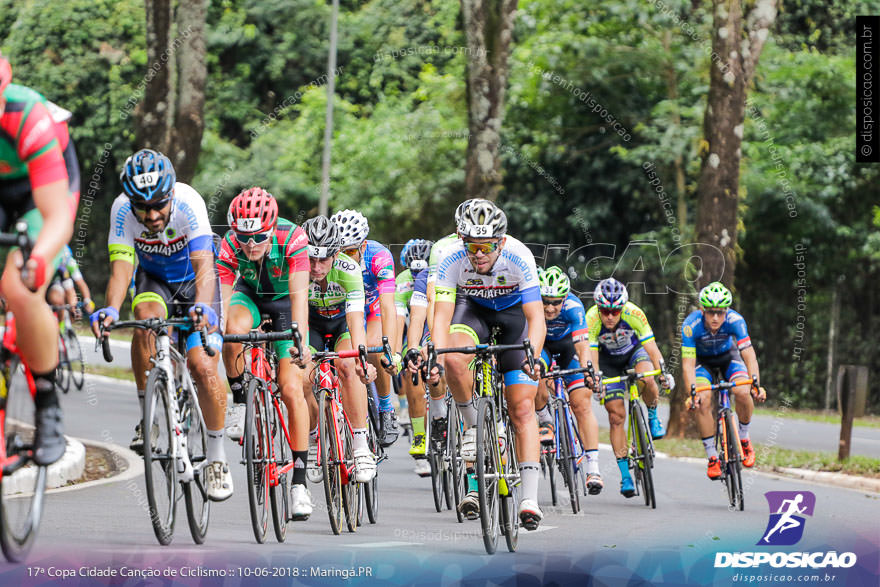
(723, 389)
(263, 368)
(560, 402)
(10, 464)
(327, 381)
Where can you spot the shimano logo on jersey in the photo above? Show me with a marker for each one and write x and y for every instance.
(146, 180)
(788, 560)
(119, 224)
(519, 262)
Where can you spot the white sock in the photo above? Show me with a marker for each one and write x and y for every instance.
(360, 438)
(544, 415)
(215, 452)
(709, 445)
(592, 461)
(744, 431)
(530, 473)
(141, 394)
(437, 408)
(468, 413)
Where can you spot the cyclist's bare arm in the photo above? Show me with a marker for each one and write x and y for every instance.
(689, 371)
(117, 287)
(52, 201)
(389, 319)
(355, 322)
(751, 361)
(226, 290)
(534, 313)
(417, 317)
(203, 266)
(83, 288)
(298, 286)
(653, 352)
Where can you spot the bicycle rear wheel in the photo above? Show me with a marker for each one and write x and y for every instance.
(21, 487)
(160, 470)
(644, 457)
(509, 503)
(75, 360)
(281, 455)
(198, 507)
(435, 459)
(331, 461)
(734, 464)
(488, 470)
(351, 495)
(256, 448)
(62, 371)
(453, 454)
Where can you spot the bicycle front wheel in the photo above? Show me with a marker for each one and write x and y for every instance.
(281, 456)
(256, 448)
(331, 461)
(370, 495)
(198, 507)
(62, 371)
(566, 464)
(453, 454)
(160, 470)
(734, 464)
(351, 495)
(75, 360)
(488, 472)
(645, 460)
(510, 502)
(21, 487)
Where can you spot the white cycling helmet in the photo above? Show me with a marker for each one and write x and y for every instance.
(481, 219)
(352, 227)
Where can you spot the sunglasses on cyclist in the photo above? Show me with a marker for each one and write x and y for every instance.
(485, 248)
(556, 303)
(610, 311)
(352, 250)
(147, 206)
(257, 238)
(715, 311)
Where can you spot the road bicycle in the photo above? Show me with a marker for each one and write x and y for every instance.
(638, 433)
(22, 482)
(497, 467)
(175, 435)
(566, 452)
(71, 366)
(369, 492)
(267, 451)
(727, 441)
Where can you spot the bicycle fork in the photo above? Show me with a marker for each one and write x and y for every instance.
(179, 449)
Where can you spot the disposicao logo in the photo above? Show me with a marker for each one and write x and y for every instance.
(787, 511)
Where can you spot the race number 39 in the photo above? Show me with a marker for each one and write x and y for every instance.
(481, 230)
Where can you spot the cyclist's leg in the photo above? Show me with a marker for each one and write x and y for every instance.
(650, 392)
(745, 405)
(542, 401)
(467, 328)
(354, 392)
(243, 316)
(706, 419)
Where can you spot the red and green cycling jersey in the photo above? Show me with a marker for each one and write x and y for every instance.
(631, 331)
(269, 276)
(31, 141)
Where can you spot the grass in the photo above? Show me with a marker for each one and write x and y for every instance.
(772, 458)
(829, 417)
(111, 371)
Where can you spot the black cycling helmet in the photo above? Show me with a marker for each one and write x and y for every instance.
(147, 176)
(417, 254)
(323, 237)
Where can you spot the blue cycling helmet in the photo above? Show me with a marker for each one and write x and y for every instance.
(610, 293)
(405, 248)
(147, 176)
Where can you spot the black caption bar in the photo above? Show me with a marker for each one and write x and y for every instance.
(867, 75)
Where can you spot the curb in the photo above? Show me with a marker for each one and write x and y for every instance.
(133, 463)
(70, 466)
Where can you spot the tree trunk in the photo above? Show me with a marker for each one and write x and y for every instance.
(189, 122)
(170, 117)
(736, 48)
(152, 128)
(488, 27)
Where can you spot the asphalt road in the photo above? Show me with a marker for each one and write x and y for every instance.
(107, 527)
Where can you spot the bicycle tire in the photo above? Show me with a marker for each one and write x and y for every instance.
(645, 461)
(488, 465)
(446, 467)
(281, 456)
(370, 496)
(256, 443)
(62, 371)
(198, 506)
(160, 470)
(330, 460)
(19, 516)
(435, 460)
(453, 453)
(565, 461)
(75, 359)
(735, 490)
(350, 489)
(508, 514)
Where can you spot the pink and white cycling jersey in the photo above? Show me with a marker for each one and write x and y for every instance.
(377, 265)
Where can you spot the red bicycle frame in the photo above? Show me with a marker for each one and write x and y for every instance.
(327, 379)
(263, 369)
(9, 464)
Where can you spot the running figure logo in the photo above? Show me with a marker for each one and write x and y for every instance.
(786, 524)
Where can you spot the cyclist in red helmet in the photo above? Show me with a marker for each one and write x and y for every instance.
(39, 183)
(269, 256)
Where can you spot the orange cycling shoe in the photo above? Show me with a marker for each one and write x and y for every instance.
(714, 470)
(748, 453)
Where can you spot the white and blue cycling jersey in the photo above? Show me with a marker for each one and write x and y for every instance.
(513, 279)
(163, 255)
(572, 320)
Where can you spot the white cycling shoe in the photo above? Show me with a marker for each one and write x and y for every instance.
(364, 465)
(423, 468)
(300, 503)
(235, 421)
(218, 481)
(530, 515)
(469, 445)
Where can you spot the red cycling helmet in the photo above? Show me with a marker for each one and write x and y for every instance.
(253, 210)
(5, 73)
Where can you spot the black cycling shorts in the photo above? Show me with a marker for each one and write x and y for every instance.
(321, 329)
(477, 322)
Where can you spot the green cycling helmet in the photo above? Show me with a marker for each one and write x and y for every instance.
(554, 282)
(715, 295)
